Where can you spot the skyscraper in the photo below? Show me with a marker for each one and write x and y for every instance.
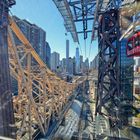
(67, 55)
(63, 64)
(42, 42)
(137, 63)
(74, 65)
(38, 41)
(94, 62)
(81, 63)
(48, 55)
(86, 65)
(55, 59)
(34, 34)
(71, 64)
(126, 73)
(77, 61)
(24, 26)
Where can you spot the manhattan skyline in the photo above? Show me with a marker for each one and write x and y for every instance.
(42, 14)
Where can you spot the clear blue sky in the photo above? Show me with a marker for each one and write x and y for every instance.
(45, 14)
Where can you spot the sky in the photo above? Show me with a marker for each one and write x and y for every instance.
(44, 14)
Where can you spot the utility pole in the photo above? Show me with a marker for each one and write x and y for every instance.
(6, 105)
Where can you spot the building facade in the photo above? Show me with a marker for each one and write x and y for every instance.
(77, 58)
(63, 65)
(81, 63)
(35, 35)
(95, 62)
(86, 66)
(48, 55)
(55, 61)
(67, 56)
(126, 73)
(137, 64)
(74, 65)
(71, 66)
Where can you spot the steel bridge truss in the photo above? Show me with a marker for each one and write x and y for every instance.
(41, 94)
(66, 13)
(109, 93)
(108, 76)
(83, 11)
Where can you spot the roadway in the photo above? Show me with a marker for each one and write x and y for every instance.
(83, 125)
(71, 122)
(80, 120)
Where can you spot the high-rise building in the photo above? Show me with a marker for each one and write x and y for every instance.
(71, 64)
(86, 65)
(38, 41)
(77, 61)
(63, 65)
(67, 55)
(24, 26)
(42, 42)
(137, 63)
(74, 65)
(126, 73)
(48, 55)
(81, 63)
(34, 34)
(55, 60)
(94, 63)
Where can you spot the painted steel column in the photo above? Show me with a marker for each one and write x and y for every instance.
(109, 74)
(6, 105)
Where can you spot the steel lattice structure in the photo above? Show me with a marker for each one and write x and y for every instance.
(66, 13)
(83, 11)
(108, 77)
(6, 106)
(108, 26)
(42, 96)
(109, 92)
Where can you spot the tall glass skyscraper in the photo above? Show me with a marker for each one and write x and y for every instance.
(77, 61)
(48, 55)
(126, 73)
(55, 60)
(67, 55)
(35, 35)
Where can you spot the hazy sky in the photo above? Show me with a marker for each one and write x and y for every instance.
(45, 14)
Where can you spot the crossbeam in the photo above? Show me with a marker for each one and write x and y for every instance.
(41, 94)
(65, 11)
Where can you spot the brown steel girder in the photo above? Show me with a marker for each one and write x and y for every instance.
(41, 94)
